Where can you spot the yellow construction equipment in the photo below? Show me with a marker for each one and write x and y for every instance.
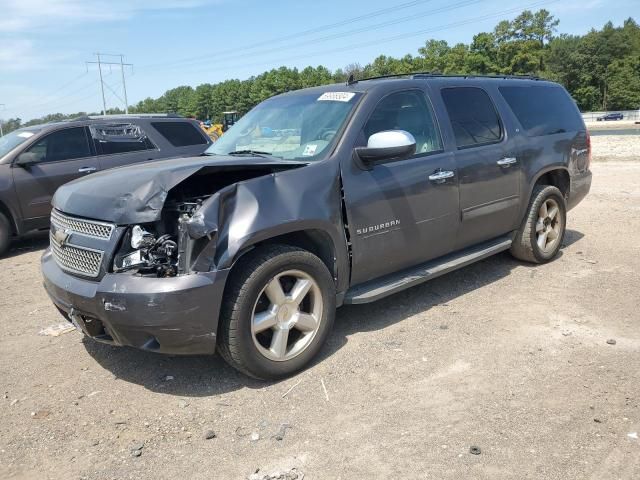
(215, 131)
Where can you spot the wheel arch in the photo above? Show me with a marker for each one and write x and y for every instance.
(11, 217)
(556, 176)
(315, 241)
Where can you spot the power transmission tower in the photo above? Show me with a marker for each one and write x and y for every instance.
(1, 134)
(121, 64)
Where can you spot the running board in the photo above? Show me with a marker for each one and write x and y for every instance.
(376, 289)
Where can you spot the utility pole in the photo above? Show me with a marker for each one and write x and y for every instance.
(100, 62)
(1, 134)
(124, 85)
(104, 102)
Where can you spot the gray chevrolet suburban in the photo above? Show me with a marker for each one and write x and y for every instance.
(326, 196)
(36, 160)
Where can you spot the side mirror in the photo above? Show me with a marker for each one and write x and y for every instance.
(27, 159)
(390, 145)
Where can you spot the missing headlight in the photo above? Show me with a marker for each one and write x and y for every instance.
(150, 255)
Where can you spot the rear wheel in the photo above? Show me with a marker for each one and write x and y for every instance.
(277, 313)
(5, 234)
(540, 236)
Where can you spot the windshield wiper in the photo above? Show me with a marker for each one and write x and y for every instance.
(253, 153)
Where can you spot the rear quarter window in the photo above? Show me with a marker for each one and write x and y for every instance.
(180, 134)
(117, 138)
(543, 110)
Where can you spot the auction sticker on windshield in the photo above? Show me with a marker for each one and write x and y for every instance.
(25, 134)
(336, 96)
(309, 150)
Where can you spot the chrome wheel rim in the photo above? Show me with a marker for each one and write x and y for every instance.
(286, 316)
(548, 226)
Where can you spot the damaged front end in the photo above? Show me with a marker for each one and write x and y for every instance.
(175, 228)
(183, 239)
(164, 253)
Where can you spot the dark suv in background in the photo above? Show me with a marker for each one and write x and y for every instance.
(35, 161)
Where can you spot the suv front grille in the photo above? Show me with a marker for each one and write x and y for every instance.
(78, 245)
(77, 259)
(89, 228)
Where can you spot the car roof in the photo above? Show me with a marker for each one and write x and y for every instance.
(415, 79)
(91, 119)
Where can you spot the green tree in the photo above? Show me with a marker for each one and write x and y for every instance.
(623, 90)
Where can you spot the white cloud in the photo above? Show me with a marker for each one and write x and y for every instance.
(18, 54)
(20, 16)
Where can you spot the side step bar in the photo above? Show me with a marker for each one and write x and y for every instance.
(382, 287)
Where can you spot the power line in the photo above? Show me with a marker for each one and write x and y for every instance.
(114, 92)
(60, 100)
(297, 35)
(392, 38)
(53, 92)
(347, 33)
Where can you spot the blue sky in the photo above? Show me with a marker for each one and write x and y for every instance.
(44, 43)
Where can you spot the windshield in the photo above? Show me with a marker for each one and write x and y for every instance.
(289, 127)
(13, 139)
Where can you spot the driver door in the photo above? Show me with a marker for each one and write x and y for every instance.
(61, 156)
(402, 213)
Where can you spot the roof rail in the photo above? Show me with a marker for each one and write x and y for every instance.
(125, 115)
(443, 75)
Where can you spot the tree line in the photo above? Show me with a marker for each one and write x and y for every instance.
(600, 69)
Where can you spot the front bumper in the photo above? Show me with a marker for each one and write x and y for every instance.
(177, 315)
(580, 186)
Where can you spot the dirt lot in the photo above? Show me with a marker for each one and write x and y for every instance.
(507, 357)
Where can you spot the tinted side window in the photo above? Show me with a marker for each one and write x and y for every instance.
(120, 138)
(407, 111)
(65, 144)
(473, 116)
(179, 134)
(543, 110)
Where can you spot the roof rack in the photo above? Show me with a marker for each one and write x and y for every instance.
(125, 115)
(443, 75)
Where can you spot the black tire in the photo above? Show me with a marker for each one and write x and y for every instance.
(5, 234)
(247, 280)
(525, 246)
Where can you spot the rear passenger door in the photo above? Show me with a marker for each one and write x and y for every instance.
(488, 167)
(122, 143)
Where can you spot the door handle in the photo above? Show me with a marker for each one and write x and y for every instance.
(441, 176)
(507, 161)
(87, 169)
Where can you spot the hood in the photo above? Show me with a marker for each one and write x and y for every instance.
(136, 193)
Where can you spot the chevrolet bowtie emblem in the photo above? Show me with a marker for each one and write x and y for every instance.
(61, 237)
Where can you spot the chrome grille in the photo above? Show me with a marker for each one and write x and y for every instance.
(89, 228)
(76, 259)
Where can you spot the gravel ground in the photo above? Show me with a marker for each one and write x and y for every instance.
(616, 147)
(510, 358)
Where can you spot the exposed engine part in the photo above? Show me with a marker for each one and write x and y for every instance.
(140, 238)
(189, 206)
(157, 256)
(185, 244)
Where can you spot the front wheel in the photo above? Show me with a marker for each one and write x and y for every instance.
(540, 236)
(277, 313)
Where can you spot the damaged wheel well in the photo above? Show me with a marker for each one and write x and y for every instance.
(314, 241)
(558, 178)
